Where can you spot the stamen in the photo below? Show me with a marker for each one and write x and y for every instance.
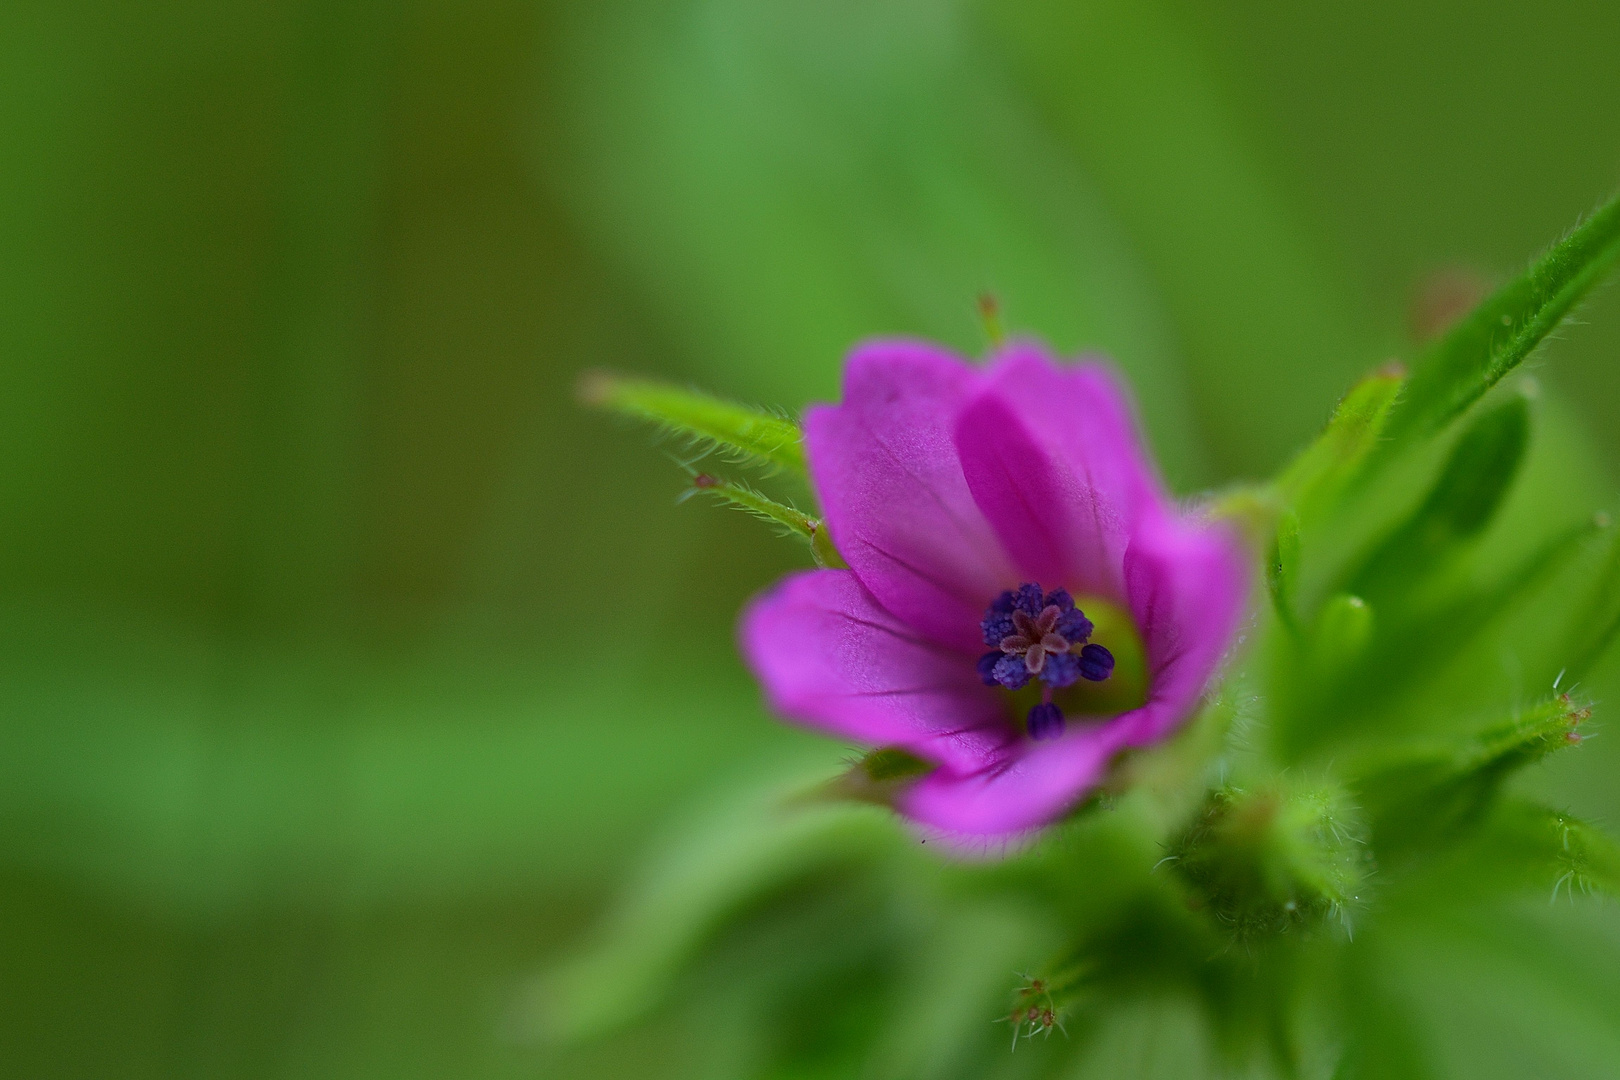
(1039, 634)
(1011, 672)
(1045, 721)
(1096, 663)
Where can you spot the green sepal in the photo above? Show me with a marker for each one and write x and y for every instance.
(876, 778)
(821, 547)
(1497, 336)
(748, 499)
(1476, 477)
(1327, 466)
(751, 434)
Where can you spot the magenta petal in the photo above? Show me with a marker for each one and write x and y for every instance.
(1054, 458)
(1186, 582)
(830, 656)
(1085, 415)
(885, 466)
(1029, 788)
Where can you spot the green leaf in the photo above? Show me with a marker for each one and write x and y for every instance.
(1406, 654)
(1549, 849)
(1437, 794)
(751, 434)
(1593, 630)
(1484, 347)
(1471, 486)
(1282, 568)
(745, 849)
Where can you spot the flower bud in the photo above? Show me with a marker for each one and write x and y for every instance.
(1266, 860)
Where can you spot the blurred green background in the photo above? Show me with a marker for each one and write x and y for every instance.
(309, 759)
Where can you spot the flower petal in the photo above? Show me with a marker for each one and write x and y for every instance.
(830, 656)
(1024, 790)
(1186, 583)
(885, 467)
(1055, 461)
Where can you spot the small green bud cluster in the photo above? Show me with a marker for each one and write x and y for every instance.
(1274, 858)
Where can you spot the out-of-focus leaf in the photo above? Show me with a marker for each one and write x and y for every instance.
(1506, 991)
(750, 434)
(1409, 656)
(1546, 851)
(1331, 462)
(736, 854)
(1340, 636)
(1129, 86)
(1593, 629)
(1282, 569)
(1384, 1041)
(1476, 476)
(1497, 336)
(783, 180)
(1426, 797)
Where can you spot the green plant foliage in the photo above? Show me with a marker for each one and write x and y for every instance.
(1431, 796)
(1475, 478)
(751, 435)
(1271, 859)
(1337, 784)
(1502, 332)
(1329, 464)
(303, 769)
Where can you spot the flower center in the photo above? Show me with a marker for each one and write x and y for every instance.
(1036, 635)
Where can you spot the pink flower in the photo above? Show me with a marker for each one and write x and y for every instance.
(977, 507)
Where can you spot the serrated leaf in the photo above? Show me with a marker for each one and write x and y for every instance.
(750, 434)
(1497, 336)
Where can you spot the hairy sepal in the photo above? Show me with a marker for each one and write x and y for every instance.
(790, 520)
